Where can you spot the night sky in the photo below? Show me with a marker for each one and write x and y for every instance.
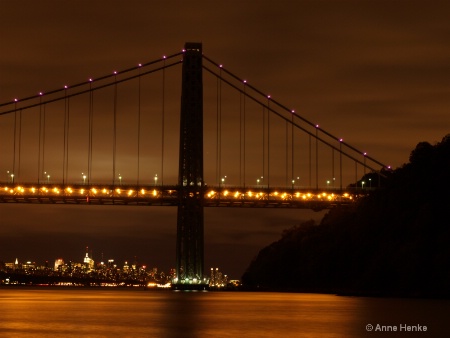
(376, 73)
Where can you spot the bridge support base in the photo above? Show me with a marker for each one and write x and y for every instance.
(190, 287)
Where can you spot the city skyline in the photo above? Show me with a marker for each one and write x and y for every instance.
(101, 272)
(136, 232)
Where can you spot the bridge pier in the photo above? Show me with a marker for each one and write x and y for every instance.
(190, 246)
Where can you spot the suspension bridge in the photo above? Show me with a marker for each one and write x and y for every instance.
(120, 139)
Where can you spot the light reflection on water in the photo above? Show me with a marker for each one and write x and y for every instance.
(35, 312)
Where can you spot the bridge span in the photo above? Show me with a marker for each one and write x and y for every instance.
(168, 195)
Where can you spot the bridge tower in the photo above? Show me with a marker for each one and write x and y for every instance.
(189, 251)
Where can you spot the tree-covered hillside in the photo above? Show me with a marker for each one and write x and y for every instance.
(394, 242)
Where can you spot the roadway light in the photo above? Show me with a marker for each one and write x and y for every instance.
(362, 184)
(257, 182)
(370, 183)
(293, 181)
(48, 179)
(328, 184)
(12, 178)
(156, 179)
(120, 179)
(84, 178)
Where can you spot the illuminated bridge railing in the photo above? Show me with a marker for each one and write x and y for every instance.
(259, 197)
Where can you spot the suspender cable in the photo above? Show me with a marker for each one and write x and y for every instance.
(364, 167)
(20, 141)
(65, 137)
(139, 129)
(91, 122)
(67, 143)
(220, 127)
(217, 130)
(14, 144)
(310, 163)
(287, 153)
(292, 147)
(244, 134)
(114, 131)
(91, 136)
(317, 160)
(240, 138)
(268, 141)
(39, 144)
(43, 141)
(340, 164)
(162, 121)
(332, 167)
(264, 144)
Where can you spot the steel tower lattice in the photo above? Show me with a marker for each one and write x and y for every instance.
(190, 246)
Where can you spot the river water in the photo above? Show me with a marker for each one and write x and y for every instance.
(44, 312)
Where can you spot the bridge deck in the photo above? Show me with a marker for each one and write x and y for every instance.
(241, 197)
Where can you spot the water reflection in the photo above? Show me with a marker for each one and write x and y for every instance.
(184, 312)
(136, 313)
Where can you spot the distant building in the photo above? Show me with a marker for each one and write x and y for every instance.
(217, 279)
(88, 261)
(59, 263)
(29, 265)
